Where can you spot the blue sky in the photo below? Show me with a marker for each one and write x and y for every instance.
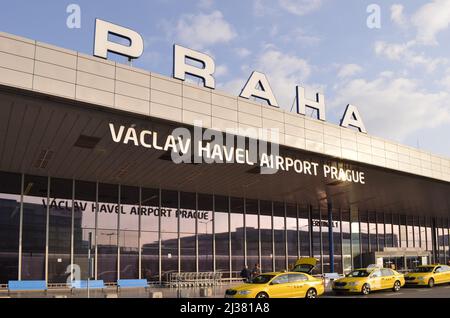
(398, 75)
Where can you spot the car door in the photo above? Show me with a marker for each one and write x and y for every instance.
(438, 275)
(387, 279)
(279, 287)
(446, 274)
(375, 280)
(298, 285)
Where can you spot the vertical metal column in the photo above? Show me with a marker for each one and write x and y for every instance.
(139, 235)
(178, 232)
(286, 254)
(330, 237)
(299, 253)
(47, 223)
(245, 232)
(273, 240)
(96, 232)
(321, 241)
(22, 181)
(159, 237)
(72, 229)
(119, 206)
(230, 263)
(214, 233)
(196, 234)
(310, 230)
(341, 237)
(259, 233)
(433, 240)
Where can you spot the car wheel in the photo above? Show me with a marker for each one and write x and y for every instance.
(431, 283)
(365, 290)
(311, 293)
(397, 286)
(262, 295)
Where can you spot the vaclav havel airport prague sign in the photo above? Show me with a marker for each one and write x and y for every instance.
(187, 62)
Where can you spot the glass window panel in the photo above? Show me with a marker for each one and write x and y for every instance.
(380, 226)
(237, 234)
(129, 235)
(34, 227)
(107, 238)
(403, 232)
(10, 189)
(251, 223)
(292, 234)
(396, 230)
(346, 242)
(303, 228)
(60, 229)
(279, 236)
(388, 227)
(410, 231)
(373, 232)
(149, 210)
(150, 252)
(205, 230)
(221, 234)
(187, 209)
(84, 225)
(168, 212)
(169, 253)
(129, 254)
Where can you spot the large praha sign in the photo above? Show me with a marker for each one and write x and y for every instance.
(187, 62)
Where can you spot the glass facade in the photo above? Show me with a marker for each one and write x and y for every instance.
(135, 232)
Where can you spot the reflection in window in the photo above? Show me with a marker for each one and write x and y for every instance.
(108, 214)
(34, 227)
(129, 235)
(279, 236)
(221, 234)
(346, 241)
(60, 229)
(10, 185)
(292, 233)
(187, 230)
(237, 234)
(265, 221)
(388, 235)
(169, 233)
(84, 225)
(149, 234)
(205, 229)
(251, 228)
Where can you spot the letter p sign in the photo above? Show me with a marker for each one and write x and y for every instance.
(103, 45)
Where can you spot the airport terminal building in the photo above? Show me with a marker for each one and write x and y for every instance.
(85, 166)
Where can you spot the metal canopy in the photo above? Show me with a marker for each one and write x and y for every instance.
(38, 134)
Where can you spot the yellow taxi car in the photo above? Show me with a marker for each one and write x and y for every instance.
(428, 275)
(365, 280)
(297, 283)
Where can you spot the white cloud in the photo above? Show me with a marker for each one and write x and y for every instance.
(202, 30)
(394, 107)
(205, 4)
(302, 37)
(221, 70)
(349, 70)
(404, 53)
(398, 16)
(242, 52)
(431, 19)
(300, 7)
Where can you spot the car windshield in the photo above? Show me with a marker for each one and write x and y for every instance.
(359, 273)
(262, 279)
(423, 269)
